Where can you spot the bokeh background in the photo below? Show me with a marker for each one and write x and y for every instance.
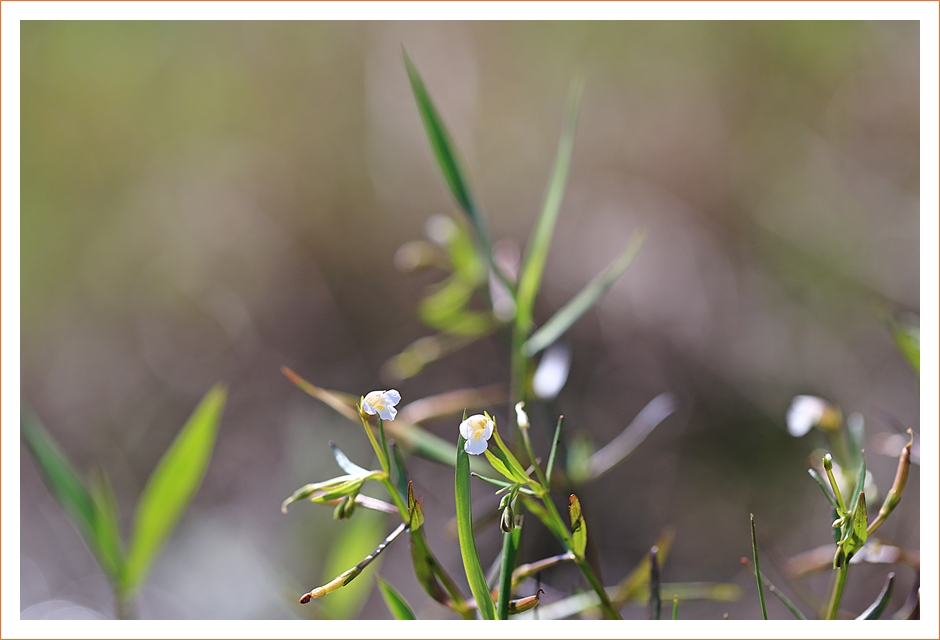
(209, 201)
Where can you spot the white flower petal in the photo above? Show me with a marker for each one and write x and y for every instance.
(804, 414)
(388, 413)
(392, 397)
(475, 446)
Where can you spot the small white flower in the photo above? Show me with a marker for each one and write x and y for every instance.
(382, 403)
(477, 429)
(804, 413)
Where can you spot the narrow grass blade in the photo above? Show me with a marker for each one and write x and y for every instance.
(468, 548)
(510, 546)
(422, 352)
(655, 598)
(402, 479)
(675, 607)
(634, 585)
(578, 526)
(859, 481)
(881, 602)
(415, 515)
(825, 489)
(533, 263)
(554, 449)
(107, 531)
(397, 605)
(444, 152)
(60, 477)
(760, 583)
(559, 323)
(770, 587)
(172, 485)
(345, 463)
(658, 409)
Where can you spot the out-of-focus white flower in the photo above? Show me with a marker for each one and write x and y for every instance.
(522, 418)
(806, 412)
(382, 403)
(476, 429)
(552, 372)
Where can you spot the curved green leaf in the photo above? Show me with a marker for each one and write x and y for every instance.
(881, 602)
(584, 299)
(107, 531)
(443, 147)
(578, 526)
(172, 485)
(533, 264)
(396, 604)
(468, 547)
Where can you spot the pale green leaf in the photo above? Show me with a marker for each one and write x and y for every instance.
(172, 485)
(565, 317)
(578, 526)
(396, 603)
(533, 263)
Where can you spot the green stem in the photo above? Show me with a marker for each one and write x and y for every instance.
(123, 605)
(760, 585)
(837, 591)
(510, 545)
(610, 613)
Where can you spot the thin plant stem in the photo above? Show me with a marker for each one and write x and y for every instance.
(675, 607)
(837, 591)
(760, 584)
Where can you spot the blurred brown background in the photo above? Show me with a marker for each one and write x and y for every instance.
(209, 201)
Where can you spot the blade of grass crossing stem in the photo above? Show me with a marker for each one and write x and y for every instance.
(443, 147)
(468, 548)
(541, 239)
(397, 605)
(655, 597)
(172, 485)
(551, 454)
(510, 546)
(881, 602)
(63, 482)
(760, 584)
(559, 323)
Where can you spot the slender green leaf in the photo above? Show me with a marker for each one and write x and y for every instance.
(675, 607)
(533, 264)
(506, 456)
(345, 463)
(554, 449)
(383, 441)
(860, 520)
(468, 548)
(559, 323)
(444, 152)
(536, 509)
(770, 587)
(172, 485)
(63, 482)
(396, 603)
(578, 526)
(760, 583)
(881, 602)
(415, 515)
(402, 479)
(907, 338)
(859, 481)
(655, 595)
(510, 546)
(500, 466)
(825, 489)
(107, 531)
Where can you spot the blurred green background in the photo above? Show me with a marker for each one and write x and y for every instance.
(209, 201)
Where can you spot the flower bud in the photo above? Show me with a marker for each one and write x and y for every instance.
(508, 522)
